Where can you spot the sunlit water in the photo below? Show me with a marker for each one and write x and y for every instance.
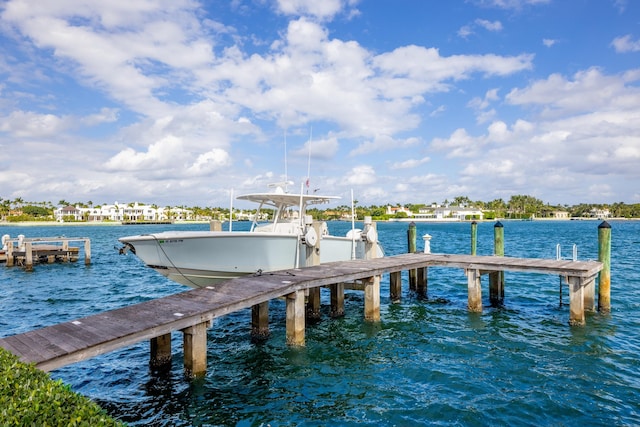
(426, 362)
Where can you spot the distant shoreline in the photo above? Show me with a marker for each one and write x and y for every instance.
(433, 221)
(79, 224)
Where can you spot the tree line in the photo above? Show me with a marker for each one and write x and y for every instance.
(518, 206)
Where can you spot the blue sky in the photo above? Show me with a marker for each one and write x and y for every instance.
(180, 102)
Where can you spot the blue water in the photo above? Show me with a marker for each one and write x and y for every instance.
(426, 362)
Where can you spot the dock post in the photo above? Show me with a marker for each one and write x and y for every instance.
(496, 278)
(412, 247)
(337, 299)
(87, 251)
(260, 321)
(295, 319)
(395, 286)
(474, 237)
(371, 284)
(65, 251)
(160, 352)
(422, 273)
(421, 282)
(475, 291)
(313, 258)
(604, 256)
(590, 294)
(576, 301)
(28, 256)
(372, 299)
(10, 259)
(215, 225)
(195, 349)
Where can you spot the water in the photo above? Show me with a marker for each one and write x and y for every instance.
(426, 361)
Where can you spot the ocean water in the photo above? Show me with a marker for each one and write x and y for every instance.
(427, 362)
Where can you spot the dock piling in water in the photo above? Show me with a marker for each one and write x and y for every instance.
(412, 247)
(604, 256)
(496, 278)
(474, 237)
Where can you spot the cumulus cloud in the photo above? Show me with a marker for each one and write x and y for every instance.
(324, 148)
(625, 44)
(163, 154)
(209, 162)
(27, 124)
(361, 175)
(325, 9)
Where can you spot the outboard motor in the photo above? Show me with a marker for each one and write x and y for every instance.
(5, 239)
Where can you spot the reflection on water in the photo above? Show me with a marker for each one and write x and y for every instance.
(426, 361)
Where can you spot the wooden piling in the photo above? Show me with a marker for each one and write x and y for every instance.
(412, 247)
(215, 225)
(313, 258)
(496, 278)
(421, 282)
(195, 349)
(371, 284)
(260, 321)
(160, 352)
(337, 299)
(604, 277)
(28, 256)
(474, 237)
(87, 252)
(372, 299)
(474, 290)
(295, 319)
(395, 286)
(576, 301)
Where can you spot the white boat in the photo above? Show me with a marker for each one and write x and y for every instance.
(202, 258)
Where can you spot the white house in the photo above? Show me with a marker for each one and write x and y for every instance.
(121, 212)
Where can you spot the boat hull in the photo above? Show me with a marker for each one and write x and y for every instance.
(200, 259)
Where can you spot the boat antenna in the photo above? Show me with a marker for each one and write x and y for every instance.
(231, 211)
(309, 159)
(353, 227)
(286, 177)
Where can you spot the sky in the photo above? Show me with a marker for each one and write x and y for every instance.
(185, 102)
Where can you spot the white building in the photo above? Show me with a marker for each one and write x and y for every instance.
(118, 212)
(455, 213)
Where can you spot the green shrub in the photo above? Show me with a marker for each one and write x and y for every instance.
(29, 397)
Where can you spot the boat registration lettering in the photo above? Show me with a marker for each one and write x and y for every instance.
(170, 241)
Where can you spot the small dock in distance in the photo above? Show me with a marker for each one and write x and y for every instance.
(24, 251)
(191, 311)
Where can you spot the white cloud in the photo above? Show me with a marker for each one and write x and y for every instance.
(626, 44)
(511, 4)
(410, 164)
(489, 25)
(325, 148)
(209, 162)
(161, 155)
(361, 175)
(324, 9)
(549, 42)
(587, 91)
(26, 124)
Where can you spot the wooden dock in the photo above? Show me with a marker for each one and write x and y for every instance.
(191, 311)
(27, 251)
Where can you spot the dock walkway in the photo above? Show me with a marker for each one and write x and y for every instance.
(192, 311)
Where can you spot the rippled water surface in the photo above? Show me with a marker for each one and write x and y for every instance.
(426, 362)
